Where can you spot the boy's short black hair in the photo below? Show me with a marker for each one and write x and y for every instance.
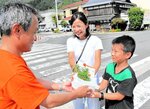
(127, 41)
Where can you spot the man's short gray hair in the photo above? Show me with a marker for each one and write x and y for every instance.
(16, 13)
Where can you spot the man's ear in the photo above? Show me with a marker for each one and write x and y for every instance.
(16, 30)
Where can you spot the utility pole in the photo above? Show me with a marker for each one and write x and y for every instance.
(56, 13)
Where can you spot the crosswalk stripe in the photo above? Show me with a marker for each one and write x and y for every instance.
(43, 60)
(48, 64)
(54, 70)
(141, 66)
(26, 56)
(43, 46)
(142, 93)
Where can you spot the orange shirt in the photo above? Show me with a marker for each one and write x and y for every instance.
(19, 88)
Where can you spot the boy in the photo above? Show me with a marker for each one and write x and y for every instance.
(119, 78)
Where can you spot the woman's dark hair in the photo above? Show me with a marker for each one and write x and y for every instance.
(82, 17)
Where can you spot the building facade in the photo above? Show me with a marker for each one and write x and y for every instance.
(72, 8)
(47, 22)
(101, 12)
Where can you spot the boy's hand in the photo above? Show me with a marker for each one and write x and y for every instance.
(95, 94)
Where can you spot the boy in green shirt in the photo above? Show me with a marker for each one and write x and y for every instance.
(119, 78)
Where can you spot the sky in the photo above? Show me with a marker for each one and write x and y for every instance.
(142, 3)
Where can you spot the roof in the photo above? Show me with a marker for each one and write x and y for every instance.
(96, 2)
(75, 4)
(98, 18)
(100, 2)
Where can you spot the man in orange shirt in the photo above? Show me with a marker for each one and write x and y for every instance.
(19, 88)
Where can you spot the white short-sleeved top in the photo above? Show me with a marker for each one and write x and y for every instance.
(75, 45)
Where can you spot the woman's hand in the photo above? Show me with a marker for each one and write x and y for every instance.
(67, 86)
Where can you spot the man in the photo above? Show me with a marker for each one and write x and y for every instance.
(19, 88)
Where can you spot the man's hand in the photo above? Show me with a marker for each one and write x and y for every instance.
(83, 91)
(67, 86)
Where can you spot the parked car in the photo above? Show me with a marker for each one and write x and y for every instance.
(66, 29)
(47, 29)
(41, 30)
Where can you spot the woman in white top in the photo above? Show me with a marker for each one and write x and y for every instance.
(91, 55)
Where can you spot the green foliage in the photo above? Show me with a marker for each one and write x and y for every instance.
(38, 4)
(67, 2)
(118, 23)
(115, 30)
(63, 23)
(56, 30)
(42, 4)
(135, 18)
(54, 18)
(2, 2)
(82, 73)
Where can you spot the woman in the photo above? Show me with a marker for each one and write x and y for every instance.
(91, 47)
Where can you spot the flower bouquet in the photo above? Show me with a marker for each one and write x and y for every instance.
(84, 75)
(82, 72)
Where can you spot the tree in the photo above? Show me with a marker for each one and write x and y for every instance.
(63, 23)
(55, 20)
(66, 2)
(135, 18)
(42, 4)
(2, 2)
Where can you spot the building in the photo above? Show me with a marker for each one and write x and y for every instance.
(101, 12)
(47, 23)
(146, 20)
(72, 8)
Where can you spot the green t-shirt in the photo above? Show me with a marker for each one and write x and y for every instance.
(123, 82)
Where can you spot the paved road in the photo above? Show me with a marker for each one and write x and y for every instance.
(49, 61)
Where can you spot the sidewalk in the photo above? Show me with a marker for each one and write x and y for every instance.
(52, 34)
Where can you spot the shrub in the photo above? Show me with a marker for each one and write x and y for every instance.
(118, 23)
(115, 30)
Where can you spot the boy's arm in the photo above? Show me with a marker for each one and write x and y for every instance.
(108, 96)
(113, 96)
(103, 85)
